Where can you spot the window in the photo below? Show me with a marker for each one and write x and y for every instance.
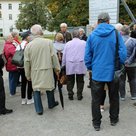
(20, 6)
(1, 30)
(0, 6)
(10, 16)
(10, 6)
(0, 15)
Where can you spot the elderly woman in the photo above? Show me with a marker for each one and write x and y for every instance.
(59, 47)
(82, 35)
(130, 64)
(73, 59)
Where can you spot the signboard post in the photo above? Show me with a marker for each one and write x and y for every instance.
(98, 6)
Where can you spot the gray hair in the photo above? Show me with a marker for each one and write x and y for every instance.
(118, 26)
(81, 29)
(14, 34)
(63, 25)
(125, 30)
(36, 30)
(75, 34)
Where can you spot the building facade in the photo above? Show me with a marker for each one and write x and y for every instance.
(9, 11)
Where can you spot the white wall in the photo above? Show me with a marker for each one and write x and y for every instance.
(5, 23)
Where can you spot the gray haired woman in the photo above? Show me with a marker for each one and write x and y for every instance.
(130, 65)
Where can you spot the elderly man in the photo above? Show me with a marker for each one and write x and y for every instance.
(100, 58)
(66, 34)
(39, 61)
(73, 59)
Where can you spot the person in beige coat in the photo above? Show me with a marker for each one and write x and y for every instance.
(39, 61)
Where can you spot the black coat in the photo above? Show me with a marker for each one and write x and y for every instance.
(1, 65)
(84, 37)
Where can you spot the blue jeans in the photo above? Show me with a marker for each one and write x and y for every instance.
(38, 101)
(13, 79)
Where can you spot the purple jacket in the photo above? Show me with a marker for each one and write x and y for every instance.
(73, 57)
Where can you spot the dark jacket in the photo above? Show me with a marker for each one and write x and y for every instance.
(1, 65)
(133, 34)
(84, 37)
(67, 37)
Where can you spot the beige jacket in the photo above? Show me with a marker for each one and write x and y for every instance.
(39, 61)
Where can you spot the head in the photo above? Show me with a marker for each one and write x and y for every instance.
(9, 38)
(59, 37)
(118, 27)
(36, 30)
(134, 27)
(63, 27)
(15, 35)
(75, 34)
(125, 30)
(103, 18)
(81, 31)
(26, 36)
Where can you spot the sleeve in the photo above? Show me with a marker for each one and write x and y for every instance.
(27, 65)
(55, 60)
(122, 49)
(88, 54)
(64, 57)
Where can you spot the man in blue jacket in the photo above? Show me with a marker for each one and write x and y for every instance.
(100, 59)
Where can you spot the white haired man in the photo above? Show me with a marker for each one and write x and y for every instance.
(39, 61)
(66, 34)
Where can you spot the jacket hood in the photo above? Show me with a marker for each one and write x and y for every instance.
(103, 30)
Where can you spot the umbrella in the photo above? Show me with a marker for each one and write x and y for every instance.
(61, 98)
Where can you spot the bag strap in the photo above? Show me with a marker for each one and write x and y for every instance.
(117, 62)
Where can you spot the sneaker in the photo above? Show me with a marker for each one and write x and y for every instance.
(55, 104)
(122, 99)
(71, 98)
(6, 111)
(31, 101)
(23, 101)
(114, 123)
(97, 128)
(80, 98)
(133, 98)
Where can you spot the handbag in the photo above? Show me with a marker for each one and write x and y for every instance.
(18, 58)
(63, 78)
(119, 69)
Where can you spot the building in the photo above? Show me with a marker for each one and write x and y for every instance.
(9, 11)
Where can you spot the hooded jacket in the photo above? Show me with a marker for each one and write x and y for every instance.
(100, 52)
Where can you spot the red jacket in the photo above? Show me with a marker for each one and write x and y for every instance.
(9, 51)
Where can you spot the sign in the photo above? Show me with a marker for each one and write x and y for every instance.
(98, 6)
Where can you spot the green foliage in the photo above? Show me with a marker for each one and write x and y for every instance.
(33, 12)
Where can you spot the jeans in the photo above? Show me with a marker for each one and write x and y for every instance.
(131, 73)
(25, 84)
(2, 94)
(13, 80)
(71, 82)
(97, 89)
(38, 101)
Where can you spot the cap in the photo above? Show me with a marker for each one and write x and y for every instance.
(104, 16)
(24, 35)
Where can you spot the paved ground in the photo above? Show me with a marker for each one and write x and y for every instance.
(75, 120)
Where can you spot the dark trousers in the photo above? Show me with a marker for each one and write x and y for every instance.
(2, 94)
(13, 80)
(97, 96)
(131, 73)
(38, 100)
(25, 84)
(103, 97)
(71, 83)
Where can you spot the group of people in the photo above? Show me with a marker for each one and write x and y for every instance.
(75, 54)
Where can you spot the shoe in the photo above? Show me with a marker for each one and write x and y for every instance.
(55, 104)
(133, 98)
(88, 86)
(31, 101)
(40, 113)
(80, 98)
(24, 101)
(114, 123)
(71, 98)
(97, 128)
(122, 99)
(6, 111)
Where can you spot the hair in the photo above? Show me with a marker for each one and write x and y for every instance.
(36, 30)
(125, 30)
(63, 25)
(59, 37)
(118, 26)
(14, 34)
(103, 21)
(81, 29)
(75, 34)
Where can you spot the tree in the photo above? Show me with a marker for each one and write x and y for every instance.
(73, 12)
(33, 12)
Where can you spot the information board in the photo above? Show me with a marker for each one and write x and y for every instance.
(98, 6)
